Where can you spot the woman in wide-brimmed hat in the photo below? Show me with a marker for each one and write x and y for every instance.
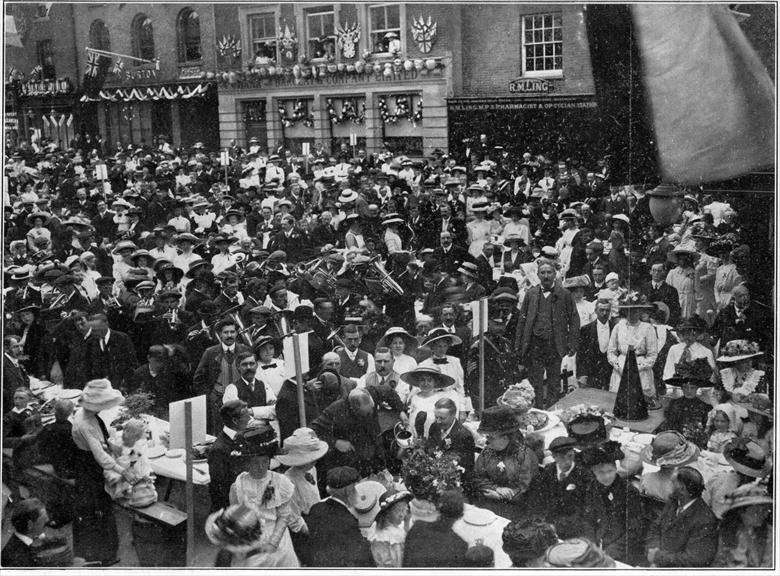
(691, 332)
(577, 553)
(746, 535)
(121, 269)
(95, 536)
(402, 345)
(168, 276)
(387, 534)
(269, 494)
(504, 469)
(479, 228)
(615, 506)
(668, 450)
(727, 276)
(236, 529)
(688, 413)
(391, 237)
(518, 224)
(428, 385)
(749, 461)
(738, 376)
(632, 351)
(300, 452)
(439, 341)
(681, 278)
(38, 222)
(760, 412)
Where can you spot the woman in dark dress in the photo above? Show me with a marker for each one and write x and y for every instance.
(434, 544)
(95, 535)
(613, 508)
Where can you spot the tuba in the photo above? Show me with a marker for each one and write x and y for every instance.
(378, 276)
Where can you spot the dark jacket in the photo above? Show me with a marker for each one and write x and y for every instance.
(339, 422)
(116, 362)
(687, 539)
(434, 545)
(17, 554)
(459, 442)
(666, 294)
(334, 538)
(614, 518)
(451, 260)
(222, 470)
(566, 321)
(591, 361)
(555, 499)
(13, 377)
(208, 371)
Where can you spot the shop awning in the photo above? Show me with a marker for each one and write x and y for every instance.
(171, 92)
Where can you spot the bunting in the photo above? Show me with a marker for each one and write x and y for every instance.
(151, 93)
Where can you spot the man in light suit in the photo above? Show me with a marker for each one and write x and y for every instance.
(547, 330)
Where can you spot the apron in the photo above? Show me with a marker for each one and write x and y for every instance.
(95, 534)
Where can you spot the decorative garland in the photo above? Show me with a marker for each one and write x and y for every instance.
(142, 94)
(348, 113)
(128, 112)
(299, 114)
(402, 110)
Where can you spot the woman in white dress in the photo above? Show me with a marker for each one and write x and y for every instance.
(518, 224)
(682, 277)
(631, 334)
(391, 238)
(586, 310)
(38, 221)
(726, 279)
(428, 386)
(270, 370)
(478, 229)
(402, 345)
(738, 376)
(269, 494)
(353, 239)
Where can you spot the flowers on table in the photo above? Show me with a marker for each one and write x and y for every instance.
(579, 410)
(427, 476)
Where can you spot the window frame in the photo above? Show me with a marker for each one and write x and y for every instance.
(318, 10)
(555, 73)
(274, 29)
(94, 41)
(244, 14)
(43, 48)
(137, 45)
(401, 22)
(181, 36)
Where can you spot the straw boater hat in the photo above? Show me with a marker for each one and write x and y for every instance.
(737, 350)
(694, 323)
(347, 196)
(670, 449)
(410, 341)
(577, 553)
(469, 269)
(746, 456)
(498, 420)
(99, 395)
(392, 219)
(412, 377)
(582, 281)
(440, 333)
(758, 403)
(365, 502)
(124, 245)
(237, 528)
(302, 448)
(140, 254)
(186, 237)
(197, 266)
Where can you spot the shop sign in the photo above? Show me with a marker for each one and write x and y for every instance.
(11, 121)
(525, 85)
(142, 74)
(187, 72)
(546, 103)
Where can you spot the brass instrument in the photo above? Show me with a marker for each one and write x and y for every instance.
(195, 333)
(378, 275)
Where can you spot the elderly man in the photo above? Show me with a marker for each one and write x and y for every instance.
(686, 532)
(743, 320)
(449, 255)
(351, 428)
(547, 330)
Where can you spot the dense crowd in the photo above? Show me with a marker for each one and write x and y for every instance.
(152, 274)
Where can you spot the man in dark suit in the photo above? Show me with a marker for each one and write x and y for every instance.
(14, 374)
(547, 330)
(657, 290)
(615, 203)
(334, 534)
(110, 354)
(289, 240)
(486, 262)
(355, 362)
(322, 324)
(161, 377)
(445, 222)
(222, 470)
(448, 436)
(28, 519)
(742, 319)
(450, 320)
(594, 251)
(217, 368)
(318, 394)
(593, 367)
(686, 532)
(561, 488)
(82, 205)
(103, 221)
(449, 256)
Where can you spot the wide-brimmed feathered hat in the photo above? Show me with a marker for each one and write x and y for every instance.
(410, 342)
(670, 449)
(736, 350)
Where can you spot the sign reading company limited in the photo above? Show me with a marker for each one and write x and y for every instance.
(525, 85)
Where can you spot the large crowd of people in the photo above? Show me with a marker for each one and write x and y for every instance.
(145, 271)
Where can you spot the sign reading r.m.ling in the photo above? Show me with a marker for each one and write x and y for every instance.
(523, 85)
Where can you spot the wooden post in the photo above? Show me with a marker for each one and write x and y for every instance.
(189, 486)
(482, 315)
(299, 380)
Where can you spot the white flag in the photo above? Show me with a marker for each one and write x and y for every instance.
(289, 354)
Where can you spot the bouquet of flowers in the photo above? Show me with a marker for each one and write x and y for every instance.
(426, 475)
(583, 410)
(135, 406)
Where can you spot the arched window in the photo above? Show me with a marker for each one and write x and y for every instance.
(188, 31)
(143, 38)
(98, 36)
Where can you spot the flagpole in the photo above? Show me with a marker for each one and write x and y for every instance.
(107, 53)
(482, 315)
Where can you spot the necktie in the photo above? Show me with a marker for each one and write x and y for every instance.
(309, 478)
(381, 381)
(439, 360)
(561, 477)
(103, 428)
(229, 354)
(267, 366)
